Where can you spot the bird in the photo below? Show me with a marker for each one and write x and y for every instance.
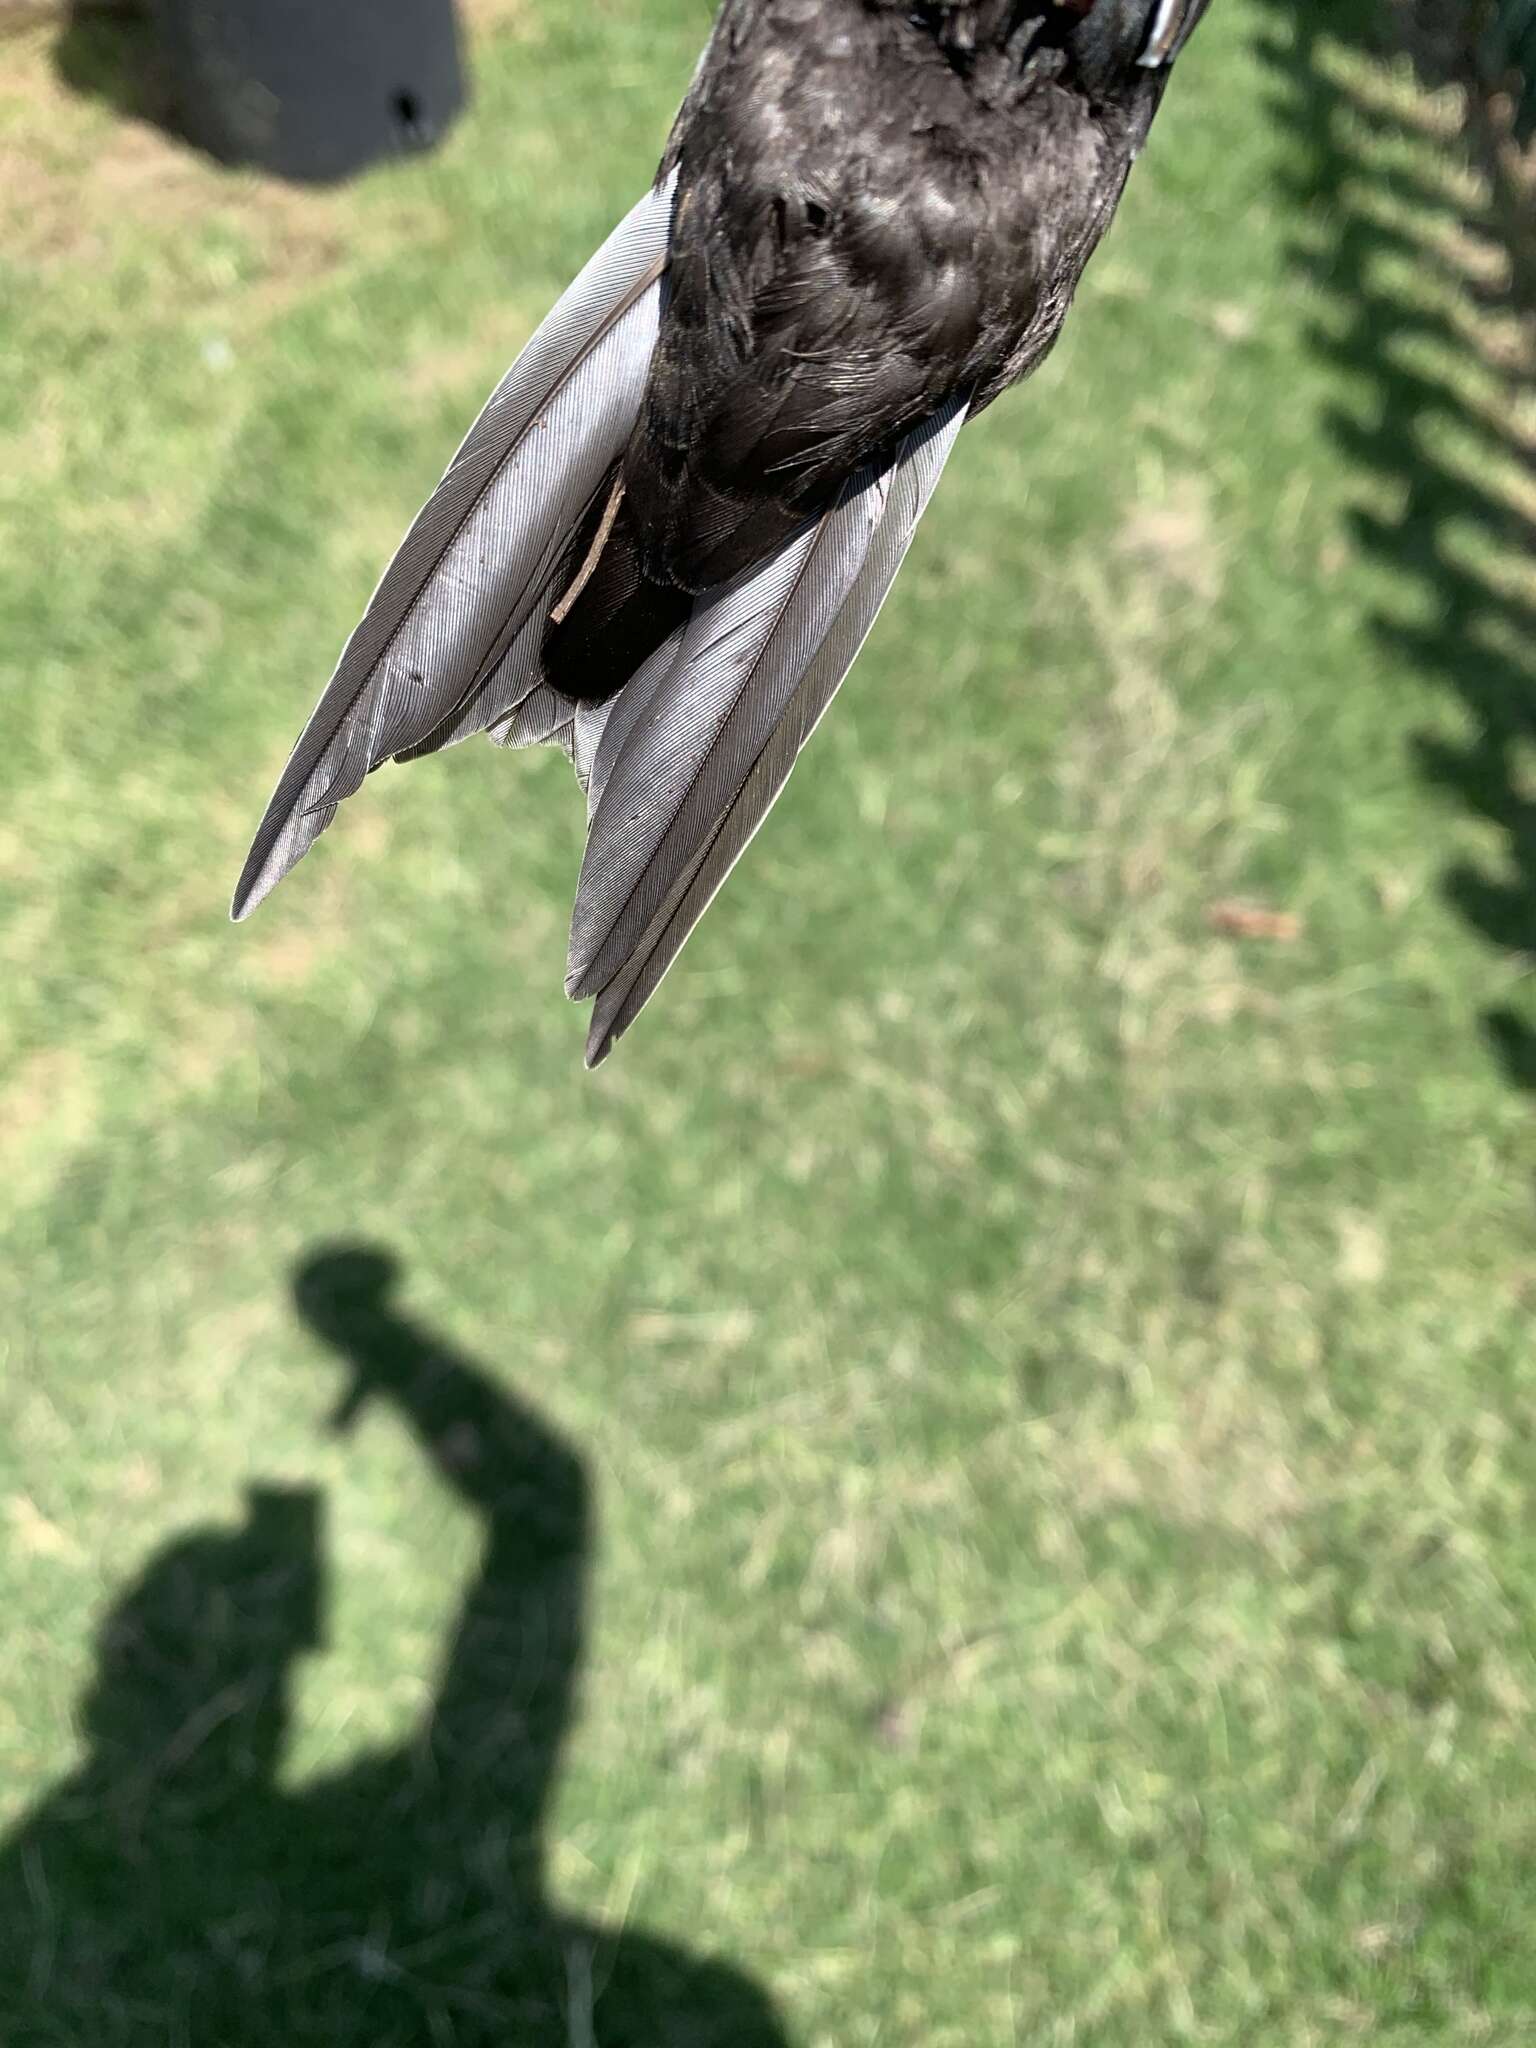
(664, 540)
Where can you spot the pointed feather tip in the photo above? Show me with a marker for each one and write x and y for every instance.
(601, 1037)
(583, 980)
(579, 985)
(265, 867)
(251, 891)
(600, 1042)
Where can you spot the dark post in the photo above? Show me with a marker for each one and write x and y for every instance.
(313, 90)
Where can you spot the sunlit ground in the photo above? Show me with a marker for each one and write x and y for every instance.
(974, 1486)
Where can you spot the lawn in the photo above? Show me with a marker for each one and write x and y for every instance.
(974, 1486)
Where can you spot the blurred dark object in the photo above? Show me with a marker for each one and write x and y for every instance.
(310, 90)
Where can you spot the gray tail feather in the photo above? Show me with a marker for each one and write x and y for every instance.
(683, 763)
(675, 795)
(444, 649)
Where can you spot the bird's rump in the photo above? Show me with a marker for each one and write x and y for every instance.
(815, 312)
(877, 208)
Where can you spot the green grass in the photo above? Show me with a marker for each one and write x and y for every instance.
(980, 1473)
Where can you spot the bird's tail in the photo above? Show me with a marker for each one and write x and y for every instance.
(522, 564)
(696, 749)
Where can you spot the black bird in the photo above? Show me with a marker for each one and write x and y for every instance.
(667, 535)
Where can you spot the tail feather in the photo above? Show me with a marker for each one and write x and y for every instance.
(442, 650)
(517, 606)
(682, 790)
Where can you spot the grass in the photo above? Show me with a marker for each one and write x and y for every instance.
(979, 1474)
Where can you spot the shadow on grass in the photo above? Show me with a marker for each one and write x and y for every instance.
(113, 53)
(174, 1891)
(1460, 533)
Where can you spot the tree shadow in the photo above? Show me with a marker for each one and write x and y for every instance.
(1456, 471)
(173, 1892)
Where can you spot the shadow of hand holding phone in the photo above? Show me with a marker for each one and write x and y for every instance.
(174, 1892)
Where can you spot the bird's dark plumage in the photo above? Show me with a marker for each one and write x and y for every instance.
(670, 529)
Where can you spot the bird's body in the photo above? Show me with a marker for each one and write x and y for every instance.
(869, 222)
(865, 225)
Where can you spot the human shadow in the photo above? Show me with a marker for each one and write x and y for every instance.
(1453, 467)
(175, 1892)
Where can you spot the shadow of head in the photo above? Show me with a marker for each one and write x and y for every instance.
(192, 1678)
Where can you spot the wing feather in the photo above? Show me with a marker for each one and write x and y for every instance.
(442, 649)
